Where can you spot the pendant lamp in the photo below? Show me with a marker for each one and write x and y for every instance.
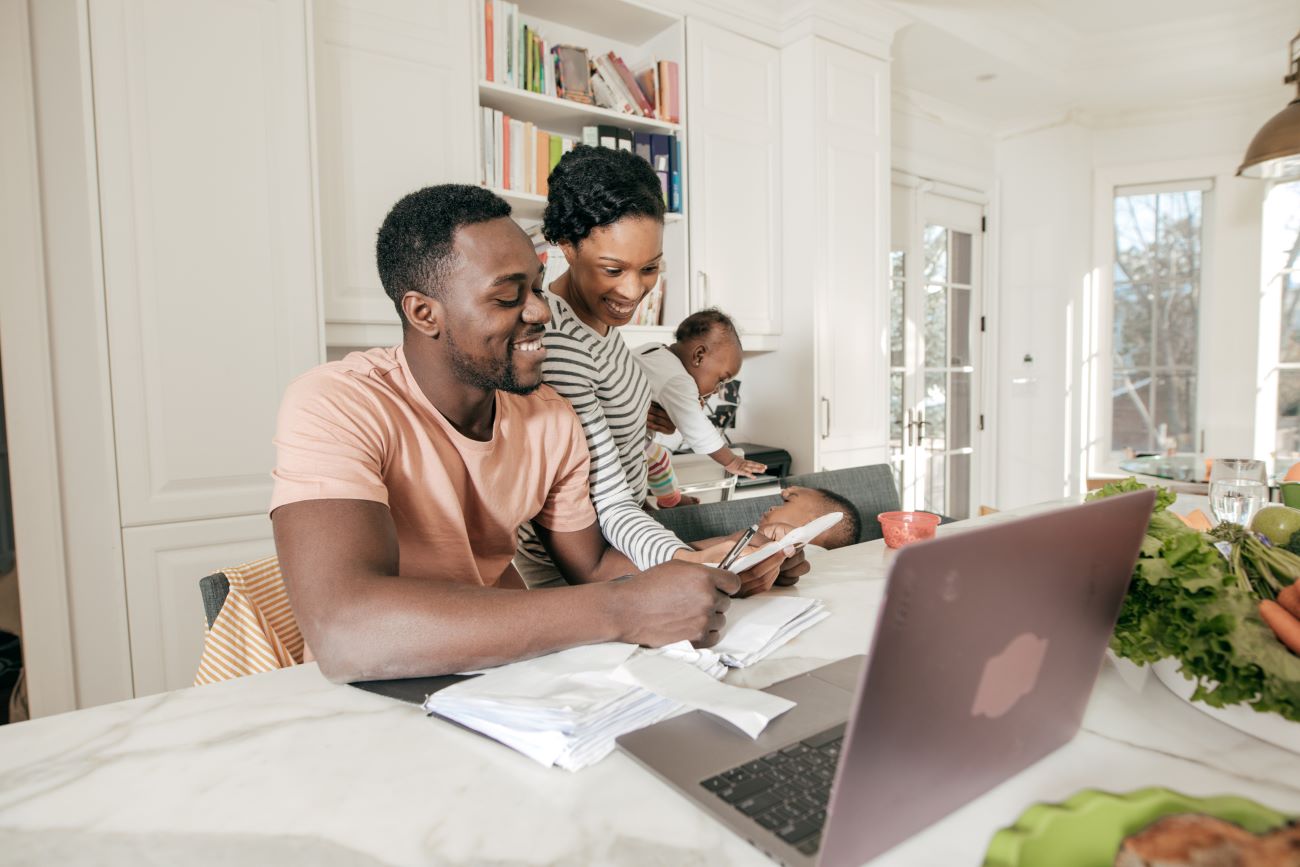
(1274, 153)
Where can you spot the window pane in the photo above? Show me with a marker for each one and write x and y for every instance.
(935, 411)
(1131, 426)
(936, 254)
(1288, 415)
(959, 314)
(959, 410)
(936, 484)
(1290, 348)
(958, 505)
(896, 293)
(896, 260)
(896, 410)
(961, 247)
(1175, 410)
(1132, 325)
(936, 326)
(1155, 320)
(1176, 324)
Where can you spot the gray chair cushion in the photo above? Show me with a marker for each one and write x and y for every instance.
(214, 589)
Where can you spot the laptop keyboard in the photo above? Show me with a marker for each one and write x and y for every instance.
(786, 791)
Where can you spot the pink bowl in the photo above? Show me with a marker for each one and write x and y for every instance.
(903, 528)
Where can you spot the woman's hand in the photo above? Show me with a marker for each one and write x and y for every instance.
(657, 420)
(741, 467)
(757, 578)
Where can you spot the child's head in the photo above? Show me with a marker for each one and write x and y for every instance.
(801, 505)
(709, 347)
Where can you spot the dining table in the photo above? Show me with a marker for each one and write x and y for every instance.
(288, 768)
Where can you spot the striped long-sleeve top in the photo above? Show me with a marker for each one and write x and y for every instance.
(611, 396)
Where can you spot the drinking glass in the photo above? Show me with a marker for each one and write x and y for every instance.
(1238, 489)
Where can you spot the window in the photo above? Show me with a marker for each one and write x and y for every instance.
(1281, 271)
(1157, 278)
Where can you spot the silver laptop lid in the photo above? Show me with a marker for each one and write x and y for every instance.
(986, 651)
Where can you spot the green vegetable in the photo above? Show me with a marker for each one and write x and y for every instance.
(1185, 603)
(1258, 567)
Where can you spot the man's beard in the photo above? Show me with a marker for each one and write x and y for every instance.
(487, 375)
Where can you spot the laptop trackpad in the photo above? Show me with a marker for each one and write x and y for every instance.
(844, 674)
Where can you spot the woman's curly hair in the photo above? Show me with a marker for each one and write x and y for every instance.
(597, 186)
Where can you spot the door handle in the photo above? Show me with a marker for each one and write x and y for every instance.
(702, 279)
(826, 417)
(908, 426)
(920, 427)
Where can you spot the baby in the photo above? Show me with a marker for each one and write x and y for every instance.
(801, 505)
(705, 355)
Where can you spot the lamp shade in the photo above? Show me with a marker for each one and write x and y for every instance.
(1274, 152)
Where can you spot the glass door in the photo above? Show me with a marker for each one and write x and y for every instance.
(935, 264)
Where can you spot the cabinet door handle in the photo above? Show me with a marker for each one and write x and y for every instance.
(703, 279)
(826, 417)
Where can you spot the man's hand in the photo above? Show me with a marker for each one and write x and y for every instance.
(676, 601)
(657, 420)
(757, 578)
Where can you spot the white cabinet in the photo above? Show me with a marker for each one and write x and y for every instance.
(851, 142)
(163, 566)
(208, 236)
(206, 205)
(734, 175)
(395, 113)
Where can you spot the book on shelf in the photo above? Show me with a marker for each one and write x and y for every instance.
(663, 152)
(606, 96)
(650, 310)
(518, 155)
(675, 175)
(608, 70)
(659, 161)
(489, 49)
(669, 94)
(644, 106)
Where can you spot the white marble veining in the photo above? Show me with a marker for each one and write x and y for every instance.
(287, 768)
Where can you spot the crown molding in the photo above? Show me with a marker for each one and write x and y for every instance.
(859, 24)
(916, 103)
(1244, 105)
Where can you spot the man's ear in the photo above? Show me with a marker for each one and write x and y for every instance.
(424, 313)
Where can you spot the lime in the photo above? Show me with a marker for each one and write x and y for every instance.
(1278, 523)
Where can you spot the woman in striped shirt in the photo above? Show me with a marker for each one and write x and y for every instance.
(605, 212)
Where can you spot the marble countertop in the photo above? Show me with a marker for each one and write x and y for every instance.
(288, 768)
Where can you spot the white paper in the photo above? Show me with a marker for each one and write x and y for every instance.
(798, 536)
(747, 709)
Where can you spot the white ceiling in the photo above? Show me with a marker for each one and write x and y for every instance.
(1096, 57)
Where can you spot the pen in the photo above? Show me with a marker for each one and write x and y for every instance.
(738, 547)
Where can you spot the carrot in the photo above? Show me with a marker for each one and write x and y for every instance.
(1289, 599)
(1284, 625)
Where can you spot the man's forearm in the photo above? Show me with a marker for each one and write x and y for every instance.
(390, 629)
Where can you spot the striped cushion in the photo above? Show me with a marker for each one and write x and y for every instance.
(255, 630)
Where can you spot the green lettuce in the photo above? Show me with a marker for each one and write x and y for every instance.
(1185, 603)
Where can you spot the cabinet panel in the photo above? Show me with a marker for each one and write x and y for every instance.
(209, 253)
(734, 175)
(164, 563)
(395, 112)
(853, 300)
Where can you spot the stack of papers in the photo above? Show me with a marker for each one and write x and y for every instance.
(567, 708)
(760, 624)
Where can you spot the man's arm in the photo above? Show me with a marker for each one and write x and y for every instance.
(364, 621)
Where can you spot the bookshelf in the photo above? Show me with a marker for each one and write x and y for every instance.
(640, 35)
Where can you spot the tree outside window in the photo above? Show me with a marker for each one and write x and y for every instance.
(1281, 270)
(1157, 278)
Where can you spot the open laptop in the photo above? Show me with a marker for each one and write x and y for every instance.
(987, 646)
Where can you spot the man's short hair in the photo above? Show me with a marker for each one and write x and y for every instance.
(594, 186)
(700, 324)
(415, 243)
(847, 531)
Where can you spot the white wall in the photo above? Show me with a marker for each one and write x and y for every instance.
(1043, 239)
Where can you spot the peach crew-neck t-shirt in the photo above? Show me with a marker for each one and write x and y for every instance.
(361, 429)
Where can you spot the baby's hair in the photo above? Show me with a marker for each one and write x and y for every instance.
(850, 526)
(699, 325)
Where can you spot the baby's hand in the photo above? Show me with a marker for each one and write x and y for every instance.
(742, 467)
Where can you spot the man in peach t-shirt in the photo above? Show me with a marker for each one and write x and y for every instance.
(402, 474)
